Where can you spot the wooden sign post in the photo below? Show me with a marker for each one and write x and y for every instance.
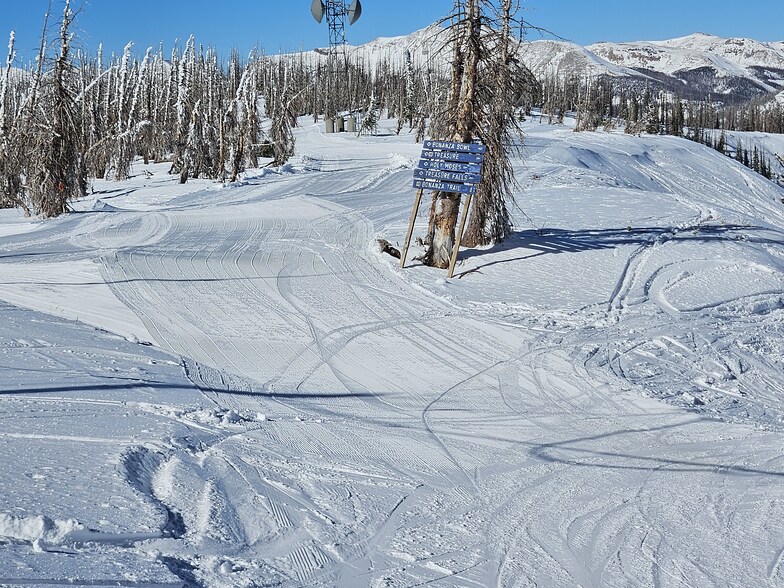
(446, 166)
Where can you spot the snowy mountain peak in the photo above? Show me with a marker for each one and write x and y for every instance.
(689, 41)
(699, 64)
(547, 58)
(696, 65)
(428, 36)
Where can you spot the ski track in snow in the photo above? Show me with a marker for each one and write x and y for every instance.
(371, 427)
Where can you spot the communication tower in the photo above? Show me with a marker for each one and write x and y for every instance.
(337, 13)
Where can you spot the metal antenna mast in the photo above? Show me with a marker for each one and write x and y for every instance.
(336, 22)
(337, 13)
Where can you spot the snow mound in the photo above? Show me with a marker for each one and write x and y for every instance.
(217, 417)
(223, 418)
(398, 161)
(37, 529)
(103, 206)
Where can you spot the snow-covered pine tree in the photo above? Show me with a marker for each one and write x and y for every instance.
(652, 121)
(183, 108)
(371, 117)
(241, 121)
(721, 143)
(677, 118)
(409, 108)
(127, 126)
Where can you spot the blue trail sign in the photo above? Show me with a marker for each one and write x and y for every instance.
(453, 166)
(464, 157)
(459, 147)
(445, 187)
(447, 176)
(446, 166)
(457, 166)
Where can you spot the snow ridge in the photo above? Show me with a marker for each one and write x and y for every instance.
(38, 529)
(699, 63)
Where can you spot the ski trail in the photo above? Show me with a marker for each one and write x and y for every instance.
(409, 438)
(302, 304)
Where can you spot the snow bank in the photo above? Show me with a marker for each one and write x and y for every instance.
(74, 290)
(205, 416)
(37, 529)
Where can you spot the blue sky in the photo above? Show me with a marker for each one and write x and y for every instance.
(286, 25)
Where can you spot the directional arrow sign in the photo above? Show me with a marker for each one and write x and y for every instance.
(445, 187)
(452, 166)
(447, 167)
(445, 176)
(453, 156)
(459, 147)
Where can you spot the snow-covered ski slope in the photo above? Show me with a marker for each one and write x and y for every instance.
(599, 401)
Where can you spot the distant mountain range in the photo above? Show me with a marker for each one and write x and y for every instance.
(696, 66)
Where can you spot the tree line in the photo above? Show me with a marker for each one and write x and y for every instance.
(71, 116)
(606, 102)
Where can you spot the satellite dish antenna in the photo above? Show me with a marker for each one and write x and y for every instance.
(354, 11)
(317, 10)
(336, 10)
(337, 13)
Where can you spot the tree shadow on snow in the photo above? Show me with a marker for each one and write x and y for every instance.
(549, 241)
(169, 386)
(570, 452)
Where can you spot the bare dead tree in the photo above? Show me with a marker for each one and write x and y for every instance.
(500, 130)
(283, 120)
(10, 178)
(487, 83)
(18, 134)
(455, 123)
(57, 175)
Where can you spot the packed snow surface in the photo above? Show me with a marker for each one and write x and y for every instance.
(228, 386)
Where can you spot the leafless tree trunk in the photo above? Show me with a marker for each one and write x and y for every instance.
(12, 193)
(489, 221)
(59, 175)
(282, 121)
(487, 83)
(457, 123)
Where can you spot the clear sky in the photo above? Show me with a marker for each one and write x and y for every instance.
(287, 25)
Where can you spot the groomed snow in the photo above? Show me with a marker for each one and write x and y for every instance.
(597, 401)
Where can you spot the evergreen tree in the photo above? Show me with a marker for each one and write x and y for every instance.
(721, 143)
(652, 124)
(676, 127)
